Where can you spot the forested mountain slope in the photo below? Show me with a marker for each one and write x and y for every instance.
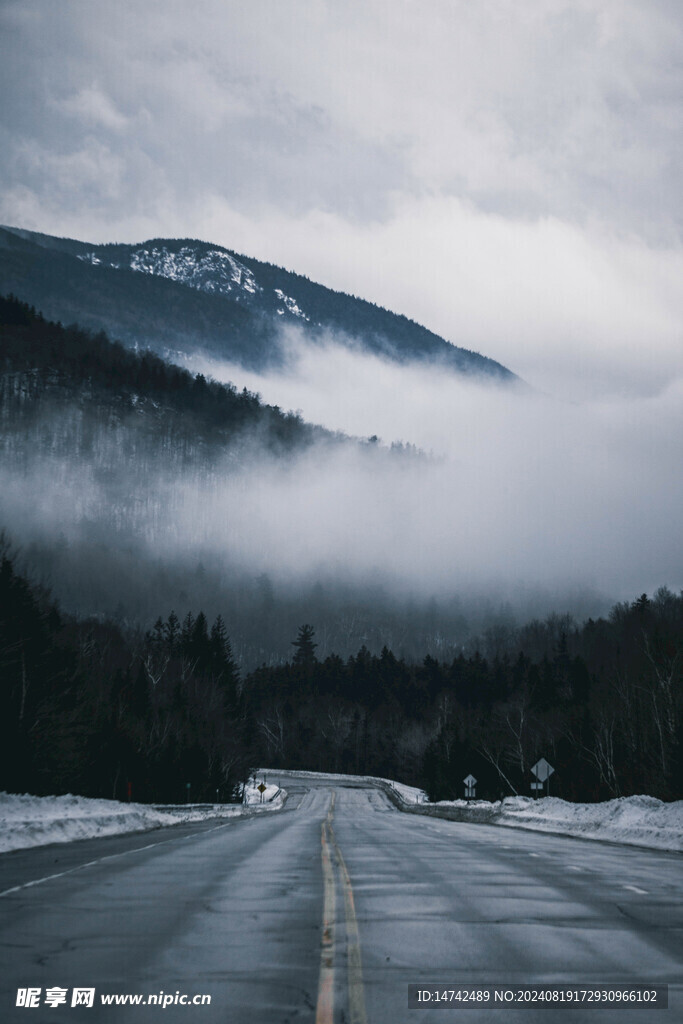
(42, 361)
(128, 482)
(186, 296)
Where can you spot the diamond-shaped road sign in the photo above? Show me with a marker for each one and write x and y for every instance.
(542, 770)
(470, 781)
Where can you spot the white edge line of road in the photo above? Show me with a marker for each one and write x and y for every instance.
(110, 856)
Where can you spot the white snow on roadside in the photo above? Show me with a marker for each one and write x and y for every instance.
(636, 820)
(36, 820)
(253, 798)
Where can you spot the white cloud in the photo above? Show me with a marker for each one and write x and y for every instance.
(522, 490)
(577, 311)
(93, 108)
(560, 108)
(505, 173)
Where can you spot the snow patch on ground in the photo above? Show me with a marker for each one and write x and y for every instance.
(290, 304)
(36, 820)
(253, 798)
(637, 820)
(210, 271)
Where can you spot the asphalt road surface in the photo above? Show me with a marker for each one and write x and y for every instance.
(326, 911)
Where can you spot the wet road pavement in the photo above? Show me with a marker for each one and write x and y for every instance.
(327, 910)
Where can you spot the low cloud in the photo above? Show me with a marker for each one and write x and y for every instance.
(518, 489)
(91, 106)
(507, 178)
(516, 498)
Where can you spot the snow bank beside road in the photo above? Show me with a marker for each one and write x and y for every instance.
(640, 820)
(36, 820)
(637, 820)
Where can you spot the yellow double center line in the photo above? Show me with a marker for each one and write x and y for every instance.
(325, 1008)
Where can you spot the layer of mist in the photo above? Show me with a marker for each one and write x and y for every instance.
(519, 490)
(517, 505)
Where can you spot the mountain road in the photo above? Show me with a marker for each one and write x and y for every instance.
(325, 912)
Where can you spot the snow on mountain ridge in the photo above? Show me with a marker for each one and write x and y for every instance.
(215, 271)
(290, 304)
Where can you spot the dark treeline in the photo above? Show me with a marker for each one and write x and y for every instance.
(90, 708)
(42, 360)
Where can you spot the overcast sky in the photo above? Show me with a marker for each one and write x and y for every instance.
(506, 172)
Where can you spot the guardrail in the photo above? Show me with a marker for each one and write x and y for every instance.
(470, 813)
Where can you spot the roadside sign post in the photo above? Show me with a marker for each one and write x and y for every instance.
(187, 792)
(470, 783)
(261, 788)
(542, 770)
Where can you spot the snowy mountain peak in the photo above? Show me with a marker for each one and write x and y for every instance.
(213, 271)
(205, 297)
(208, 270)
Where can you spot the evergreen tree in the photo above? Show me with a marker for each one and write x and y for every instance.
(199, 641)
(224, 665)
(157, 637)
(305, 648)
(186, 633)
(172, 631)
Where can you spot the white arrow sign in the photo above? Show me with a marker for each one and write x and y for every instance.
(470, 781)
(542, 770)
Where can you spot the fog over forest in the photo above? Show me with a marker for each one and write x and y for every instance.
(518, 490)
(436, 508)
(196, 530)
(507, 181)
(384, 474)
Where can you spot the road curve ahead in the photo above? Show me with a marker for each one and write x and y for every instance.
(326, 911)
